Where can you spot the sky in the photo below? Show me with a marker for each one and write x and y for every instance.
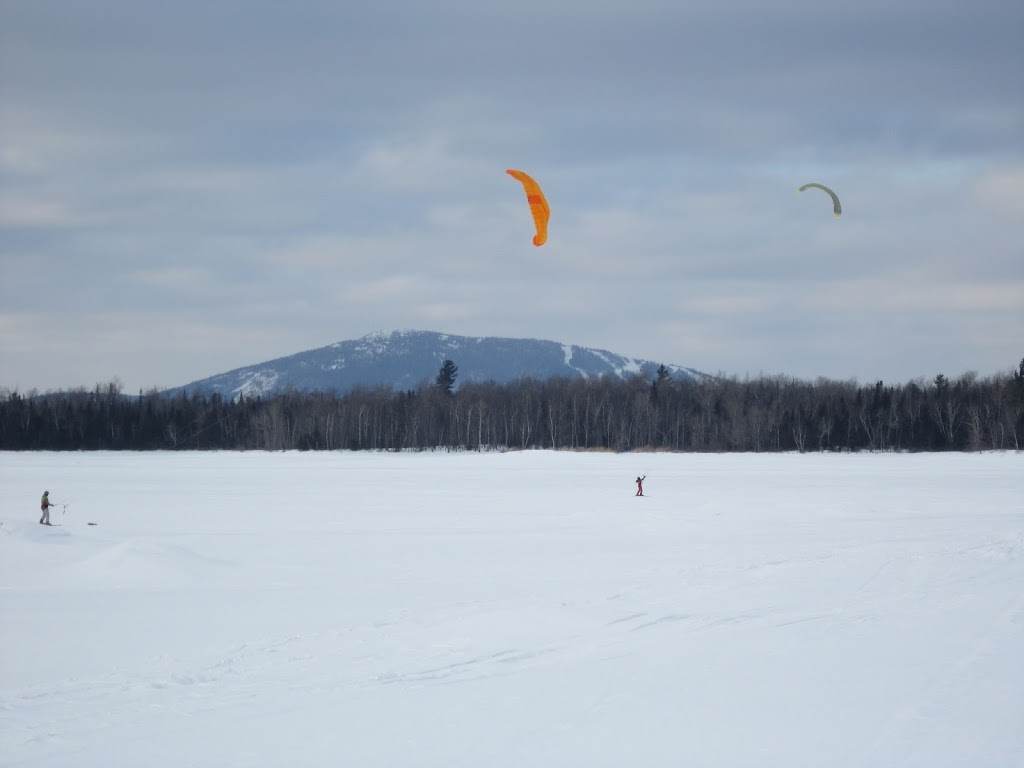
(191, 187)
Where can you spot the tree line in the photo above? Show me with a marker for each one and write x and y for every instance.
(719, 414)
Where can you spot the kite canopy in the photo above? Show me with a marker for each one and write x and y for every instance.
(836, 206)
(538, 205)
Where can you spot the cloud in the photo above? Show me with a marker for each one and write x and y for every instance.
(19, 213)
(1002, 191)
(313, 172)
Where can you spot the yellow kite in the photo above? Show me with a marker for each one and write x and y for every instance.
(538, 205)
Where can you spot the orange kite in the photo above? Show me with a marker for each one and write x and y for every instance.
(538, 205)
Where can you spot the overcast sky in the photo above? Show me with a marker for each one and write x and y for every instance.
(188, 187)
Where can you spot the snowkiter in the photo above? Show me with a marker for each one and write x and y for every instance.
(45, 506)
(640, 485)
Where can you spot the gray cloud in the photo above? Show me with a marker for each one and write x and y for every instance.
(197, 186)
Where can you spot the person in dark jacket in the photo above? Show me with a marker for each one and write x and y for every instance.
(45, 506)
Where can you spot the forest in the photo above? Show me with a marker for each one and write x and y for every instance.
(717, 414)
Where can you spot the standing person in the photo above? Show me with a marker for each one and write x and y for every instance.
(45, 506)
(640, 485)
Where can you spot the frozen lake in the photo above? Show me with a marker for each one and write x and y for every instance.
(518, 609)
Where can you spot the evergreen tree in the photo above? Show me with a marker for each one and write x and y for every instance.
(664, 378)
(446, 377)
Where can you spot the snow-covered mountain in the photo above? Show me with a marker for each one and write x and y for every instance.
(405, 359)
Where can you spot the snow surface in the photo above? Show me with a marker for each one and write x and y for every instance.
(568, 350)
(518, 609)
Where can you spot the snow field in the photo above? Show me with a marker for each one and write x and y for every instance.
(462, 609)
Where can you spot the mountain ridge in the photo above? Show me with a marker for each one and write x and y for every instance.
(404, 359)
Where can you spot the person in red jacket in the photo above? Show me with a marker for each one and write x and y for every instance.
(640, 485)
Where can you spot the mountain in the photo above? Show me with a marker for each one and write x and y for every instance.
(405, 359)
